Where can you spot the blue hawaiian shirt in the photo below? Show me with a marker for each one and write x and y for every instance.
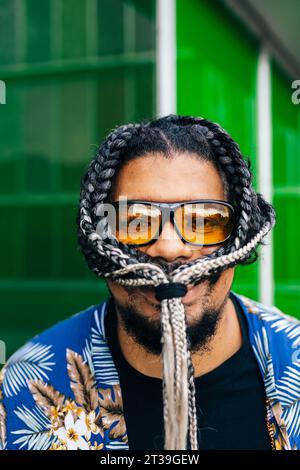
(61, 390)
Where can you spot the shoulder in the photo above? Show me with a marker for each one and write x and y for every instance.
(275, 338)
(265, 312)
(268, 324)
(38, 377)
(70, 330)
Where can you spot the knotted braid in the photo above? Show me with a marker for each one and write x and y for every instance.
(127, 266)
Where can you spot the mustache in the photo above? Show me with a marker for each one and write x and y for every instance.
(165, 266)
(169, 267)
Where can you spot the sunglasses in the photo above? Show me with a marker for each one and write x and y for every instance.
(202, 222)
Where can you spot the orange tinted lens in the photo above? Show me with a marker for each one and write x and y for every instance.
(204, 223)
(137, 223)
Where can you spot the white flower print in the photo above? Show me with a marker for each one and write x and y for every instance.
(71, 433)
(88, 420)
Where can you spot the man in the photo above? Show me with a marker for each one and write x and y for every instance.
(174, 358)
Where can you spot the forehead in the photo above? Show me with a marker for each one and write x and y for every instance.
(157, 178)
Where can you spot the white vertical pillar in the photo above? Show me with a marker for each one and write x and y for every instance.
(2, 92)
(265, 180)
(165, 57)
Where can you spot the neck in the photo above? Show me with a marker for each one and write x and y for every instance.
(226, 342)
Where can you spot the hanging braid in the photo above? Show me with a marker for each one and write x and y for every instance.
(128, 266)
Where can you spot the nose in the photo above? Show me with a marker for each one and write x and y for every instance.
(169, 245)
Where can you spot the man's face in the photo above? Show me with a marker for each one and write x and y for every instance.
(181, 178)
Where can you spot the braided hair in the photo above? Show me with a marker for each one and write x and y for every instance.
(128, 266)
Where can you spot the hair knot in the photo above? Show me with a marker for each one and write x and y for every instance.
(170, 290)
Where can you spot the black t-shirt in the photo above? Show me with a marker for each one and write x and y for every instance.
(230, 399)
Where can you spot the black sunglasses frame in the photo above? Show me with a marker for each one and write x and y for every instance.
(167, 210)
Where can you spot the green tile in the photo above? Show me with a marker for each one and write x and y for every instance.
(38, 30)
(110, 27)
(7, 32)
(74, 25)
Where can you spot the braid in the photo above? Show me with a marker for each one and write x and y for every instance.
(95, 187)
(109, 258)
(192, 403)
(252, 211)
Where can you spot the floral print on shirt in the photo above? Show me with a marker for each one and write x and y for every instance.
(61, 391)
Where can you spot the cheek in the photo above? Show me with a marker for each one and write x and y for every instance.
(142, 248)
(203, 251)
(119, 292)
(226, 279)
(207, 250)
(198, 252)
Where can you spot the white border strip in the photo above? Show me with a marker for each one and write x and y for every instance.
(165, 57)
(265, 180)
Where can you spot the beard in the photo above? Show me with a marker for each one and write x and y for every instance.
(147, 332)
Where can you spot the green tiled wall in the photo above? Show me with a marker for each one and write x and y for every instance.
(73, 70)
(286, 177)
